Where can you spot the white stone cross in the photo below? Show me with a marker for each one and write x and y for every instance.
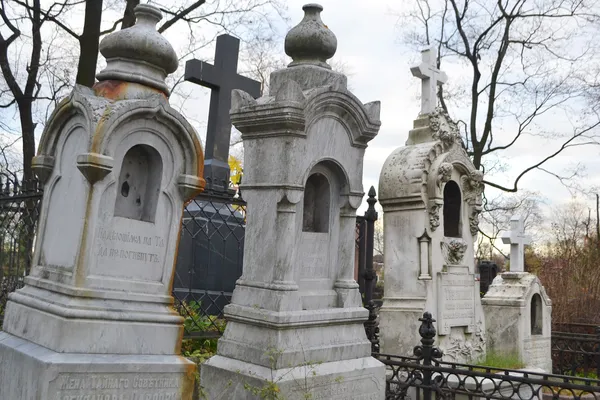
(517, 240)
(430, 76)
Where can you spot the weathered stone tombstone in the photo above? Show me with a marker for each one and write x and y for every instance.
(431, 197)
(95, 318)
(296, 316)
(518, 311)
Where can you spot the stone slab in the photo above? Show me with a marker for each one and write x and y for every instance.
(358, 379)
(42, 374)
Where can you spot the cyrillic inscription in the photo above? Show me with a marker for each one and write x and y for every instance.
(456, 301)
(112, 244)
(116, 386)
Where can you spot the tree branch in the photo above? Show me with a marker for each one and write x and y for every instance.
(180, 15)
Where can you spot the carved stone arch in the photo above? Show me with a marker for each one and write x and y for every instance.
(75, 103)
(159, 110)
(362, 121)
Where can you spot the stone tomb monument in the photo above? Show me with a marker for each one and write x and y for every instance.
(95, 318)
(431, 197)
(296, 316)
(518, 312)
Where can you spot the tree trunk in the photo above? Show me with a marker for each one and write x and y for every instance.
(89, 43)
(28, 137)
(129, 15)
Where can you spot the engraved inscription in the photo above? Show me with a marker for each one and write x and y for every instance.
(537, 352)
(114, 245)
(456, 301)
(125, 386)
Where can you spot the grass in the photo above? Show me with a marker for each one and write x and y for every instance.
(501, 360)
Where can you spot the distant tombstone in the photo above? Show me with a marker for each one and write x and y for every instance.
(296, 312)
(95, 318)
(210, 254)
(518, 315)
(487, 272)
(517, 309)
(517, 240)
(430, 193)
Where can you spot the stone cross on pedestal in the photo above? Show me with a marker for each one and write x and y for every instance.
(430, 77)
(222, 78)
(517, 240)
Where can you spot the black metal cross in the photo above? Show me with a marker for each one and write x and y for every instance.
(221, 78)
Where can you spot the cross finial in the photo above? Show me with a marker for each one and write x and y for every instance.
(517, 240)
(430, 77)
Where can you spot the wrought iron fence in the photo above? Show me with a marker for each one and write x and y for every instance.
(424, 375)
(576, 354)
(19, 211)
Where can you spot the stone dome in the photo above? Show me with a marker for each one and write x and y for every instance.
(139, 54)
(311, 41)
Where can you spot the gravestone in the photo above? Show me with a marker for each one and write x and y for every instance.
(210, 254)
(517, 240)
(221, 78)
(430, 193)
(518, 311)
(296, 316)
(487, 272)
(95, 318)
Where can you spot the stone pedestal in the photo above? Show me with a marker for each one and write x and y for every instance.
(518, 316)
(95, 318)
(295, 322)
(431, 197)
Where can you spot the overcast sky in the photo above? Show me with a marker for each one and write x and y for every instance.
(378, 64)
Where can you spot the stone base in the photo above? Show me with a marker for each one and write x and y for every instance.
(30, 371)
(359, 379)
(71, 324)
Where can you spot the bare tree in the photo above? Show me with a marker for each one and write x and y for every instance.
(53, 40)
(527, 61)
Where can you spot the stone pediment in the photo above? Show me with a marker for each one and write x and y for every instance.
(417, 172)
(101, 118)
(516, 288)
(291, 109)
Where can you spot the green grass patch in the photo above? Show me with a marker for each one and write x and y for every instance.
(501, 360)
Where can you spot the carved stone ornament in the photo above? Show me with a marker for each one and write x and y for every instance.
(453, 250)
(434, 216)
(474, 220)
(444, 174)
(472, 186)
(470, 349)
(444, 129)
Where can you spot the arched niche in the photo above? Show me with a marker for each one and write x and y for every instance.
(139, 184)
(536, 315)
(317, 204)
(452, 210)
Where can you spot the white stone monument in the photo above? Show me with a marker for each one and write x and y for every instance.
(431, 198)
(95, 318)
(517, 240)
(518, 311)
(296, 316)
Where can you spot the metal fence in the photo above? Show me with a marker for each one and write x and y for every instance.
(19, 211)
(424, 376)
(576, 354)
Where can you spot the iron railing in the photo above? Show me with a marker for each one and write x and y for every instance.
(424, 375)
(576, 354)
(19, 211)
